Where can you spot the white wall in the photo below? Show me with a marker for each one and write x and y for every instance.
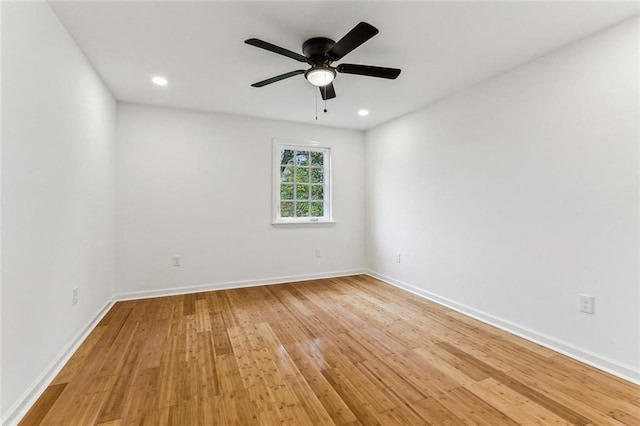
(198, 185)
(58, 150)
(510, 198)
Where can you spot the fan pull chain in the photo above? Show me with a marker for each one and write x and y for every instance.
(325, 98)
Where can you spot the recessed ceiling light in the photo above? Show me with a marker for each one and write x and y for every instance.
(363, 112)
(159, 81)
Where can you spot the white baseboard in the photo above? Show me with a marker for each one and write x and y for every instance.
(18, 410)
(625, 372)
(234, 284)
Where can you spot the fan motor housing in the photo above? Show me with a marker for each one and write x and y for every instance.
(315, 49)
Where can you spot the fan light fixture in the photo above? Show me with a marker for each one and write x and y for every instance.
(320, 75)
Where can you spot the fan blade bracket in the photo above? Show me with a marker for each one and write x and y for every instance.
(353, 39)
(275, 49)
(369, 70)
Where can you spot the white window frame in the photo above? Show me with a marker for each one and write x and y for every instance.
(312, 146)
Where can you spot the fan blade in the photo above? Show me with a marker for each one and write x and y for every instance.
(369, 70)
(354, 38)
(277, 78)
(275, 49)
(327, 92)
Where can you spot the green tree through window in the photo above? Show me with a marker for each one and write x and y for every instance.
(302, 183)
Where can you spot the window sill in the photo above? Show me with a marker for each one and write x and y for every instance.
(304, 223)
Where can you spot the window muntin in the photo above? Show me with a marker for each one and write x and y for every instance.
(302, 190)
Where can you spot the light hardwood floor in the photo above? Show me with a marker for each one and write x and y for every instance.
(341, 351)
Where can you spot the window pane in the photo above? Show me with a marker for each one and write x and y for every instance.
(286, 209)
(317, 175)
(302, 192)
(302, 158)
(317, 192)
(317, 209)
(317, 159)
(286, 192)
(286, 174)
(301, 181)
(302, 209)
(286, 156)
(302, 175)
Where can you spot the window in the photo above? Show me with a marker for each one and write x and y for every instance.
(302, 193)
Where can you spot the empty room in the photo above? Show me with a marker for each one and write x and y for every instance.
(320, 213)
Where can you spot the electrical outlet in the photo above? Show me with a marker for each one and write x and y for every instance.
(75, 296)
(587, 304)
(175, 260)
(318, 253)
(398, 257)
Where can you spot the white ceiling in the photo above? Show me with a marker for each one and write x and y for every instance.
(441, 47)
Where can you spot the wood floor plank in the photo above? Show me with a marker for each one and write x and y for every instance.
(435, 413)
(126, 375)
(328, 396)
(386, 377)
(475, 410)
(578, 388)
(156, 417)
(356, 400)
(521, 388)
(605, 383)
(563, 399)
(520, 408)
(74, 364)
(339, 351)
(403, 415)
(624, 417)
(316, 412)
(43, 405)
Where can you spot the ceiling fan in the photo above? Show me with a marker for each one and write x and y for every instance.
(320, 52)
